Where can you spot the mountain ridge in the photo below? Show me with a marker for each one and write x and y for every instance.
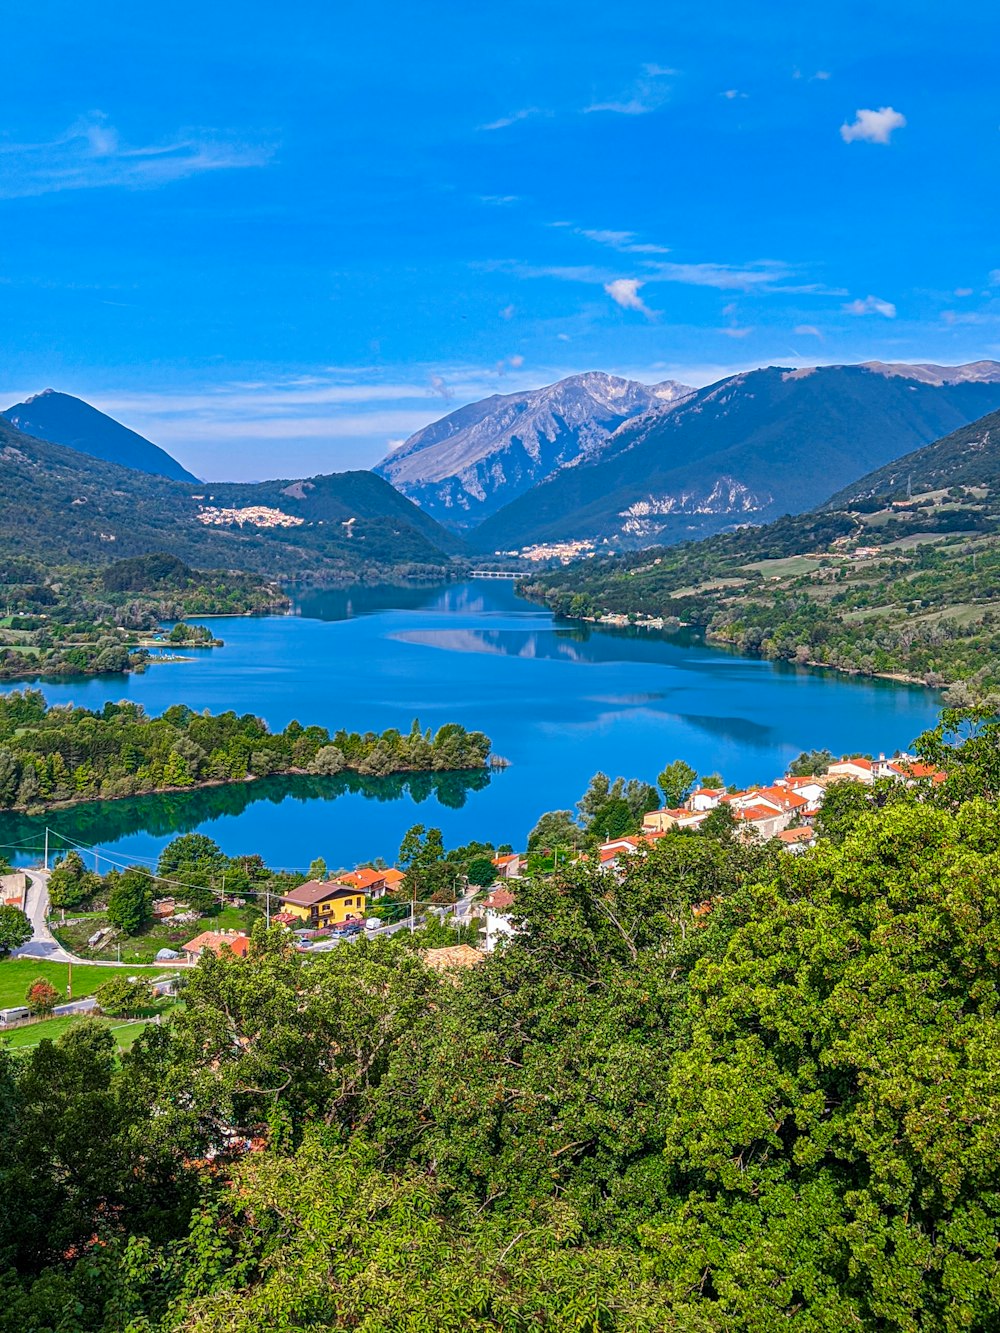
(462, 467)
(748, 448)
(61, 418)
(65, 506)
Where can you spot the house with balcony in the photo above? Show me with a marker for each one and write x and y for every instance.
(319, 903)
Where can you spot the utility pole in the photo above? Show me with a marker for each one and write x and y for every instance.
(413, 907)
(69, 981)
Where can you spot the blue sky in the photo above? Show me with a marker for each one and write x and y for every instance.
(276, 240)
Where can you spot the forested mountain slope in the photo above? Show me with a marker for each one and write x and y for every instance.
(62, 505)
(747, 449)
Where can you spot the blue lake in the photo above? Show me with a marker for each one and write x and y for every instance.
(558, 701)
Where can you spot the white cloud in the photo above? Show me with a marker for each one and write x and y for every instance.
(504, 121)
(508, 312)
(647, 93)
(515, 362)
(871, 305)
(808, 330)
(563, 337)
(618, 240)
(733, 94)
(995, 277)
(441, 387)
(872, 126)
(734, 331)
(760, 273)
(613, 238)
(625, 292)
(92, 154)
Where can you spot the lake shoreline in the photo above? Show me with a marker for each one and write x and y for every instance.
(658, 627)
(34, 811)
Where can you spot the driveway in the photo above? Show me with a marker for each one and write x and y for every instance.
(43, 944)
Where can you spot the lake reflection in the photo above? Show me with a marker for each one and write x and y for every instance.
(559, 701)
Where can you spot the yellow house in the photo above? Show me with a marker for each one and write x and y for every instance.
(325, 904)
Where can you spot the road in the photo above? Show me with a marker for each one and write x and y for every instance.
(43, 944)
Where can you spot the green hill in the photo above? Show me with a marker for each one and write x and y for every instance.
(65, 506)
(897, 574)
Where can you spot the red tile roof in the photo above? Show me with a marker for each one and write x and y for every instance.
(753, 813)
(500, 899)
(797, 835)
(216, 940)
(315, 891)
(361, 879)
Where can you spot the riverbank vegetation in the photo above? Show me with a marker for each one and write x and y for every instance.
(902, 587)
(85, 620)
(731, 1090)
(63, 755)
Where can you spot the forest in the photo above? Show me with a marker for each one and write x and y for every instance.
(64, 754)
(732, 1090)
(85, 620)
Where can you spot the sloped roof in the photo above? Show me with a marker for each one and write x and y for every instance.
(315, 891)
(452, 956)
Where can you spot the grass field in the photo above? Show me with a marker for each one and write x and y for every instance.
(786, 567)
(17, 974)
(125, 1031)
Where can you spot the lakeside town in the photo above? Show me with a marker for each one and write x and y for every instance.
(373, 900)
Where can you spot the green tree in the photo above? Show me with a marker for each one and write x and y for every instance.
(317, 869)
(69, 885)
(481, 871)
(676, 782)
(421, 848)
(15, 929)
(556, 828)
(130, 904)
(810, 763)
(121, 995)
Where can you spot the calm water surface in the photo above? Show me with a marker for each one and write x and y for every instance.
(559, 702)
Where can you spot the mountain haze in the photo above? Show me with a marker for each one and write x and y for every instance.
(464, 467)
(59, 418)
(745, 450)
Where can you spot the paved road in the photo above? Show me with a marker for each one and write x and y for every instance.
(43, 943)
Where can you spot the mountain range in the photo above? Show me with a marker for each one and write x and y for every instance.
(472, 462)
(592, 458)
(59, 418)
(745, 450)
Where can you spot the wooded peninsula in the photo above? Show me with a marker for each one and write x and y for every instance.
(62, 755)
